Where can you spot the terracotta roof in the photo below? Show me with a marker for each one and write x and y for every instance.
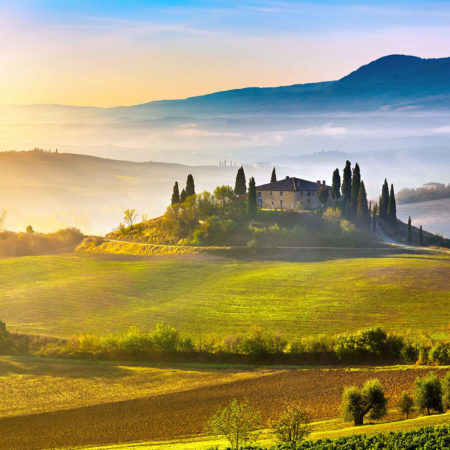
(291, 184)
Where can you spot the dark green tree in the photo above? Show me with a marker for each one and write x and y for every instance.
(409, 231)
(240, 186)
(356, 403)
(362, 207)
(183, 196)
(391, 212)
(356, 183)
(336, 186)
(420, 235)
(347, 183)
(175, 194)
(374, 218)
(273, 178)
(429, 393)
(384, 200)
(251, 200)
(405, 404)
(446, 390)
(190, 186)
(323, 195)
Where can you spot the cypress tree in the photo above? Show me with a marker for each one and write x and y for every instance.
(409, 231)
(347, 182)
(374, 218)
(336, 186)
(356, 184)
(273, 178)
(183, 196)
(391, 212)
(175, 194)
(363, 208)
(240, 186)
(190, 186)
(251, 205)
(384, 200)
(420, 235)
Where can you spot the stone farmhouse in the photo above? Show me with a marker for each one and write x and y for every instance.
(291, 193)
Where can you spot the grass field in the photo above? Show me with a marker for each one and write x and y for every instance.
(76, 293)
(48, 403)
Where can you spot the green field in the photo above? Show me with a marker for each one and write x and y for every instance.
(74, 293)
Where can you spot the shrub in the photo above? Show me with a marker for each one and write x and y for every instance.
(293, 425)
(237, 423)
(429, 393)
(446, 390)
(405, 404)
(440, 353)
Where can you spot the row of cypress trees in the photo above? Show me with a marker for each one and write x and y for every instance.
(387, 205)
(178, 197)
(240, 189)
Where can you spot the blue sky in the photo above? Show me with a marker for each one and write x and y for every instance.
(125, 52)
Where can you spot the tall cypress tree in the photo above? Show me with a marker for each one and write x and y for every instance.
(251, 205)
(384, 200)
(374, 218)
(356, 183)
(391, 212)
(347, 182)
(175, 194)
(190, 186)
(240, 186)
(183, 196)
(273, 178)
(420, 235)
(362, 207)
(336, 186)
(409, 231)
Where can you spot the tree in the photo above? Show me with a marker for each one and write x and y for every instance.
(356, 183)
(391, 212)
(183, 196)
(384, 200)
(405, 404)
(273, 177)
(293, 425)
(237, 422)
(190, 186)
(29, 229)
(356, 403)
(429, 393)
(336, 186)
(130, 216)
(240, 186)
(347, 183)
(374, 218)
(362, 207)
(323, 195)
(446, 390)
(409, 231)
(420, 235)
(175, 194)
(251, 201)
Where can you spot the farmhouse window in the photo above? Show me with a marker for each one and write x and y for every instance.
(259, 194)
(309, 193)
(281, 204)
(260, 203)
(281, 193)
(271, 193)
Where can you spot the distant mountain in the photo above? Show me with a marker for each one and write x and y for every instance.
(391, 82)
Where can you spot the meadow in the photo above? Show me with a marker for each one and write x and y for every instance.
(93, 403)
(63, 295)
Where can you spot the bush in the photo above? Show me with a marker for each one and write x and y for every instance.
(440, 353)
(405, 404)
(293, 425)
(446, 391)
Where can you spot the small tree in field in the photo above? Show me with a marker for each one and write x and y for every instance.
(357, 403)
(429, 393)
(130, 216)
(405, 404)
(293, 425)
(236, 422)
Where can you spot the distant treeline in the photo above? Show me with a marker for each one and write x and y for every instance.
(31, 243)
(422, 194)
(164, 343)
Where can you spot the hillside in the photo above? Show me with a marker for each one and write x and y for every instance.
(308, 294)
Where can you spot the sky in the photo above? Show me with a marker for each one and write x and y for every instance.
(109, 53)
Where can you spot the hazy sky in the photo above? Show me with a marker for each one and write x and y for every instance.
(107, 52)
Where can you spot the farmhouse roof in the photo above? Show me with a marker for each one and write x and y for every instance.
(291, 184)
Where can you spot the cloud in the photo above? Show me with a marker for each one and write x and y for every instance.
(441, 130)
(193, 130)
